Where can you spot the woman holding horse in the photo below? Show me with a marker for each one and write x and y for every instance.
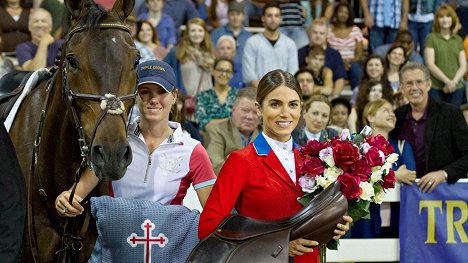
(260, 181)
(171, 159)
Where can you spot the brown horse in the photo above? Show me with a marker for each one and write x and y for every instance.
(85, 111)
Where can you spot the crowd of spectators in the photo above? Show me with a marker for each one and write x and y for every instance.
(215, 58)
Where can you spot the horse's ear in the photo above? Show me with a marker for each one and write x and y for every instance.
(74, 7)
(123, 7)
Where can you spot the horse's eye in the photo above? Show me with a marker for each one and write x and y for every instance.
(72, 62)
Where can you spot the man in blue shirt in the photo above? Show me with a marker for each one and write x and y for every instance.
(234, 28)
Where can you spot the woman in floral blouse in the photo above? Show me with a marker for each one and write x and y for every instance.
(214, 105)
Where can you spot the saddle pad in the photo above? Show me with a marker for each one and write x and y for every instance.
(142, 231)
(30, 84)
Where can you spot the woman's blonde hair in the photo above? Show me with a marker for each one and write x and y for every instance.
(205, 46)
(372, 108)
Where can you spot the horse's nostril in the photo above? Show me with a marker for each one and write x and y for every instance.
(128, 154)
(98, 154)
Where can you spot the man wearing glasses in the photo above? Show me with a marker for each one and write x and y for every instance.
(436, 130)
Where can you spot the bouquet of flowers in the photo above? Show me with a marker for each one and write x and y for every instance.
(361, 163)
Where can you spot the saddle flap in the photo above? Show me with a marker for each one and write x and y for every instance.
(319, 216)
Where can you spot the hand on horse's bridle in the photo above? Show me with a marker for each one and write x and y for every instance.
(64, 208)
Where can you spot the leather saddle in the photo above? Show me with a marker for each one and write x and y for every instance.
(242, 239)
(11, 86)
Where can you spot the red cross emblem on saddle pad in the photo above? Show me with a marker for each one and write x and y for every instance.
(147, 240)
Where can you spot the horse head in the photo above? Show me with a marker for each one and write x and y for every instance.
(98, 65)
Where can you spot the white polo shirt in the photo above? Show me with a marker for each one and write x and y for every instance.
(165, 174)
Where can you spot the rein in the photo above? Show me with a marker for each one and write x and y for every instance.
(110, 104)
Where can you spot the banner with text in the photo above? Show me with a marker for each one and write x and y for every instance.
(434, 226)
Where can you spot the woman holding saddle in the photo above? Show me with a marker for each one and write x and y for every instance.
(260, 181)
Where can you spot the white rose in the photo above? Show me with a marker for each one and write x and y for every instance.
(392, 158)
(386, 167)
(376, 176)
(378, 198)
(322, 181)
(367, 191)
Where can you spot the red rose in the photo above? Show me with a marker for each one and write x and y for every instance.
(389, 180)
(345, 154)
(362, 170)
(350, 186)
(373, 157)
(381, 143)
(312, 166)
(313, 147)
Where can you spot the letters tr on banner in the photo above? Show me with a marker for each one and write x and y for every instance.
(434, 226)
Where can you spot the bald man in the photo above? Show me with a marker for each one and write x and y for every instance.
(41, 51)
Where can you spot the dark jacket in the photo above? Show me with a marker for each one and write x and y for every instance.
(445, 139)
(300, 137)
(12, 200)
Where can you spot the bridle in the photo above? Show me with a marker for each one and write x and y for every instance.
(109, 104)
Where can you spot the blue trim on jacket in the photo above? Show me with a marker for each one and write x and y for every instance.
(262, 147)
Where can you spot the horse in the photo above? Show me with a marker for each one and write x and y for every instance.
(78, 117)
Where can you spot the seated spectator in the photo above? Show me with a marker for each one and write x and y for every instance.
(163, 23)
(347, 38)
(181, 11)
(399, 100)
(235, 29)
(464, 109)
(445, 58)
(323, 76)
(405, 39)
(374, 69)
(226, 47)
(193, 59)
(269, 50)
(368, 91)
(305, 77)
(6, 65)
(56, 9)
(14, 17)
(147, 36)
(318, 37)
(379, 116)
(316, 116)
(394, 61)
(340, 111)
(215, 105)
(42, 50)
(235, 132)
(217, 12)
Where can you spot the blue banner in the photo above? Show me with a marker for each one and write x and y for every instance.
(434, 226)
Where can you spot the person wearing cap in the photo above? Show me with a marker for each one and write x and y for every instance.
(165, 159)
(234, 28)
